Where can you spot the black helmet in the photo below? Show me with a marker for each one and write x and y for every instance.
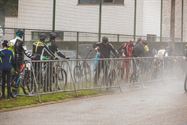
(20, 33)
(53, 35)
(104, 39)
(5, 43)
(42, 36)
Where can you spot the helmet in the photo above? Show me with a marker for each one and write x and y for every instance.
(104, 39)
(20, 33)
(5, 43)
(42, 36)
(53, 35)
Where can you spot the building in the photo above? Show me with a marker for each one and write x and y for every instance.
(83, 16)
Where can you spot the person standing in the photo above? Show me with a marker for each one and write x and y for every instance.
(17, 46)
(6, 64)
(105, 49)
(38, 47)
(126, 50)
(52, 50)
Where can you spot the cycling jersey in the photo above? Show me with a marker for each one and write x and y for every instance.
(37, 49)
(51, 51)
(12, 43)
(6, 59)
(127, 49)
(19, 50)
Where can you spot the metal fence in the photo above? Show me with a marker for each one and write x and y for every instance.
(74, 75)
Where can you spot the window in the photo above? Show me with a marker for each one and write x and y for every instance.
(108, 1)
(89, 2)
(11, 8)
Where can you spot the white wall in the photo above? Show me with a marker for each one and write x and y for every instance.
(119, 19)
(35, 14)
(115, 19)
(151, 17)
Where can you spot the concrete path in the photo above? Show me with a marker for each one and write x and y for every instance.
(157, 104)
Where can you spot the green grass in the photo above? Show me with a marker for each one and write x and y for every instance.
(22, 101)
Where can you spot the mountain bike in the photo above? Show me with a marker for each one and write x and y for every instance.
(61, 76)
(82, 70)
(115, 71)
(135, 76)
(21, 80)
(50, 75)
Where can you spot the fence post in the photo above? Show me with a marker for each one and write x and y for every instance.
(135, 11)
(117, 37)
(161, 15)
(54, 14)
(182, 21)
(77, 48)
(172, 21)
(100, 20)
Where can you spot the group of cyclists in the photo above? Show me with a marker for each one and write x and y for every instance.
(126, 50)
(12, 55)
(14, 51)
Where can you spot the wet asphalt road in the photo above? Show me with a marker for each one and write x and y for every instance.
(162, 103)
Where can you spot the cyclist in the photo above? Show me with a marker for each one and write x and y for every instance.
(126, 50)
(104, 48)
(138, 51)
(52, 51)
(146, 49)
(48, 51)
(19, 50)
(38, 47)
(37, 50)
(6, 64)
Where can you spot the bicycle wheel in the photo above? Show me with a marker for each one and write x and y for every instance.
(112, 77)
(15, 87)
(62, 79)
(185, 84)
(86, 71)
(26, 85)
(0, 90)
(77, 73)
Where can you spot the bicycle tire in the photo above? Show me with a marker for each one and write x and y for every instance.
(112, 77)
(14, 88)
(86, 71)
(77, 73)
(185, 84)
(1, 84)
(0, 90)
(62, 79)
(26, 85)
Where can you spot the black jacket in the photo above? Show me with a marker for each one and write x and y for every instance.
(138, 50)
(20, 51)
(106, 49)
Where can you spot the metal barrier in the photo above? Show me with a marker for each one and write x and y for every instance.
(73, 75)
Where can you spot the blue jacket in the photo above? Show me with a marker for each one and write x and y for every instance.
(6, 59)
